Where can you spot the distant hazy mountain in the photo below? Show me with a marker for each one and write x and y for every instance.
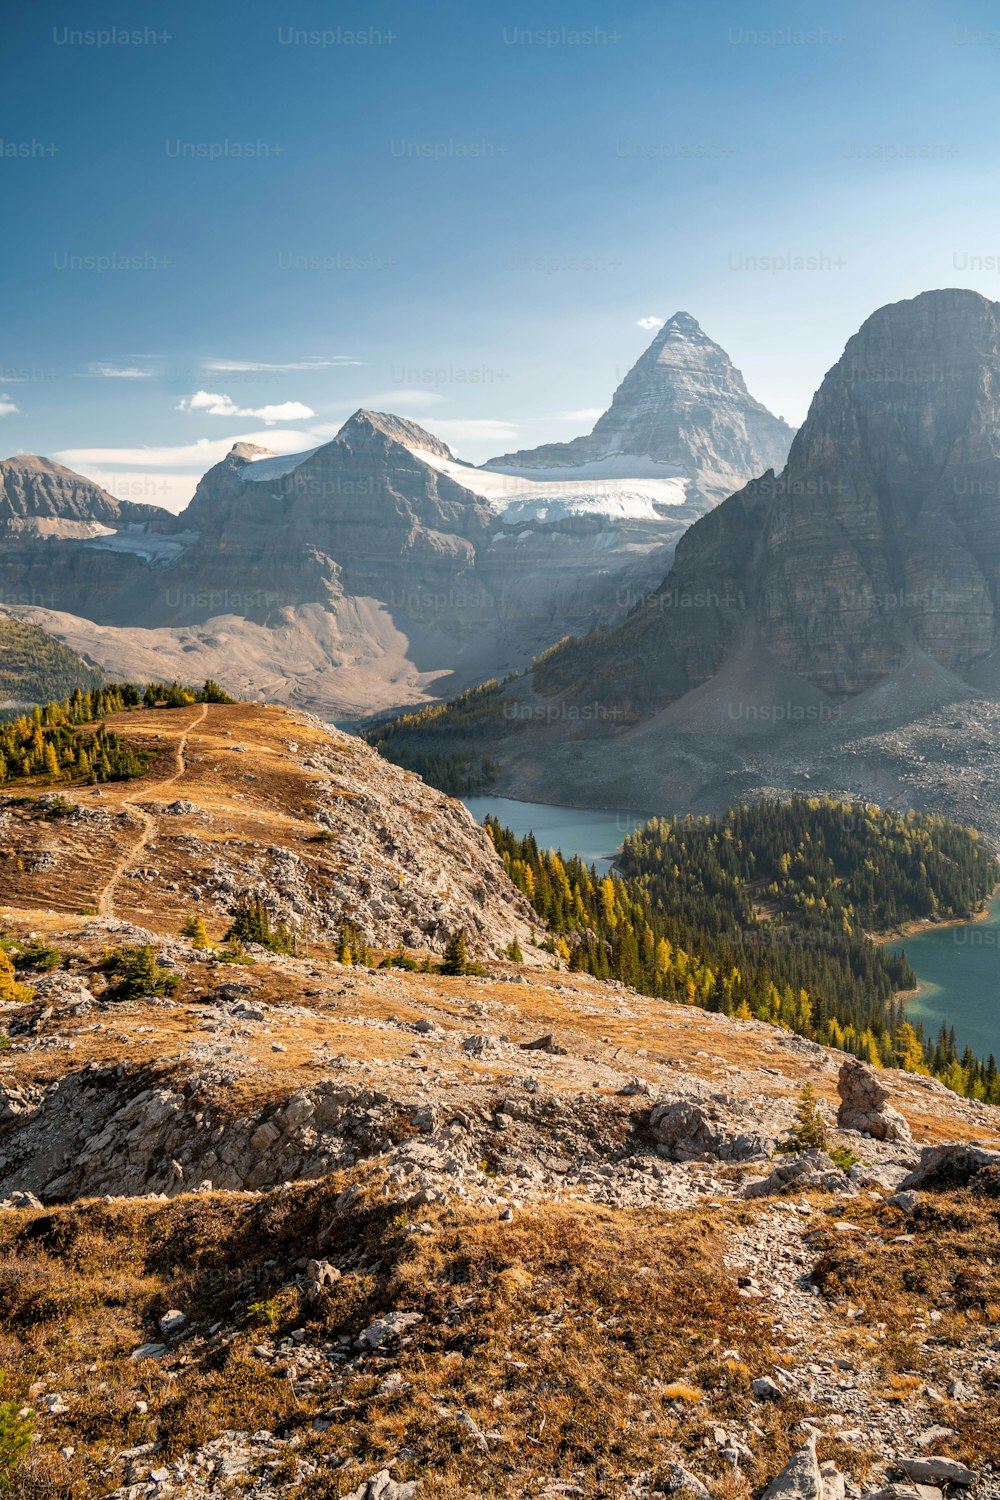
(37, 489)
(684, 404)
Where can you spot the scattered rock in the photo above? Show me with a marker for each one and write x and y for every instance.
(392, 1326)
(951, 1165)
(382, 1486)
(682, 1482)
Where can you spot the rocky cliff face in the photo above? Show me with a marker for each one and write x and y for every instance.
(683, 403)
(34, 488)
(880, 537)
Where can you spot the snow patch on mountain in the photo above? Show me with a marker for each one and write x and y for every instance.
(592, 490)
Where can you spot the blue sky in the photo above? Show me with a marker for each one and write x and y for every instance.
(465, 214)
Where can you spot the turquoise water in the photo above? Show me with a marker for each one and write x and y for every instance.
(595, 836)
(959, 972)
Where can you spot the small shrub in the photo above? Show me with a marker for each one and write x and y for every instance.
(809, 1132)
(400, 960)
(234, 953)
(39, 957)
(10, 990)
(137, 973)
(15, 1441)
(195, 929)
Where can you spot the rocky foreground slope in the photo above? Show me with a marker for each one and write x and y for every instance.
(304, 1228)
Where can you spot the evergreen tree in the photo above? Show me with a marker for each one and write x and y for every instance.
(195, 929)
(455, 959)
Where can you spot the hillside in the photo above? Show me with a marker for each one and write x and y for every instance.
(385, 1227)
(36, 668)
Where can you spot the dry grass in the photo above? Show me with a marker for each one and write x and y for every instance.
(583, 1342)
(930, 1288)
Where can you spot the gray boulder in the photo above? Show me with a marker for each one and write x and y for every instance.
(864, 1104)
(803, 1478)
(807, 1169)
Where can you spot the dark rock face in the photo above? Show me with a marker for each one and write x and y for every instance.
(884, 532)
(682, 403)
(880, 537)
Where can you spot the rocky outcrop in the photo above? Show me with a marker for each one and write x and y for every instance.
(953, 1164)
(686, 1130)
(864, 1104)
(683, 403)
(806, 1169)
(805, 1478)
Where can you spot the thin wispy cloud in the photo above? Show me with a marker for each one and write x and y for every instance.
(216, 404)
(7, 407)
(476, 430)
(649, 323)
(582, 414)
(248, 366)
(197, 456)
(96, 371)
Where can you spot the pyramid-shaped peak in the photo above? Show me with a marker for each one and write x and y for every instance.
(681, 323)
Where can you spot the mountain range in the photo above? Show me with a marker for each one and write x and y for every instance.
(814, 613)
(378, 570)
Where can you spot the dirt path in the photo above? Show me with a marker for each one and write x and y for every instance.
(105, 900)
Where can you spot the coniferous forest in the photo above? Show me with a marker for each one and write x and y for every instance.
(766, 912)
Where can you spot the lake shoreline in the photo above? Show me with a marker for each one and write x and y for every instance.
(928, 924)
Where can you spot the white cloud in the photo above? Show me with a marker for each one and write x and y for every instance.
(7, 407)
(117, 372)
(199, 455)
(582, 414)
(218, 405)
(243, 366)
(649, 323)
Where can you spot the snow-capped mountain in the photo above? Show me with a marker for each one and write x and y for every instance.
(682, 409)
(378, 570)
